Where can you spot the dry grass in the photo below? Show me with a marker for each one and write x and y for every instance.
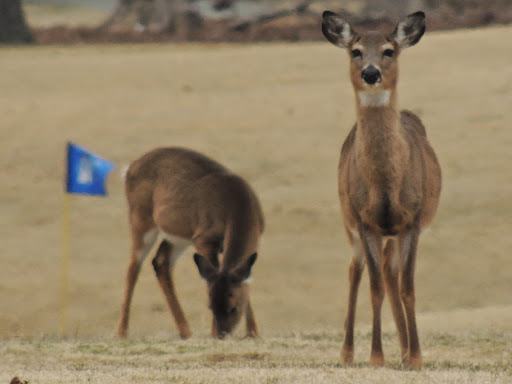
(306, 357)
(276, 114)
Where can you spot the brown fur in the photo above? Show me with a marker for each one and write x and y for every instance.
(185, 194)
(389, 183)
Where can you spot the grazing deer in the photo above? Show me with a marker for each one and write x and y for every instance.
(187, 198)
(389, 181)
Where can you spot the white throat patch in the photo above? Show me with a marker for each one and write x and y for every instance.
(374, 99)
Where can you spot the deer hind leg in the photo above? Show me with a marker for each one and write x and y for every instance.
(143, 237)
(391, 269)
(163, 263)
(409, 244)
(355, 272)
(373, 249)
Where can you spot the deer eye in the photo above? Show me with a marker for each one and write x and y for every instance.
(388, 53)
(232, 310)
(356, 53)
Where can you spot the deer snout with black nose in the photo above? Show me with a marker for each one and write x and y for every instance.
(371, 75)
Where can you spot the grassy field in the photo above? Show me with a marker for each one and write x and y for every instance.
(276, 114)
(302, 357)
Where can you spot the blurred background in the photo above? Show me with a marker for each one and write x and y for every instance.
(72, 21)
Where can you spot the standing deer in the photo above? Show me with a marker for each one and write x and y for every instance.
(187, 198)
(389, 182)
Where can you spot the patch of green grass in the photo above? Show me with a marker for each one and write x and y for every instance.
(95, 349)
(321, 336)
(190, 348)
(496, 367)
(444, 339)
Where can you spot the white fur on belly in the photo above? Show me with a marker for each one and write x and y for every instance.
(148, 241)
(179, 245)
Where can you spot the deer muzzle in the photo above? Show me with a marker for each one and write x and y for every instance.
(371, 75)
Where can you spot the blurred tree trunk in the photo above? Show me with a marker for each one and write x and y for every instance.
(13, 28)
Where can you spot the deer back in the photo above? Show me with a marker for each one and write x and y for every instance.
(190, 195)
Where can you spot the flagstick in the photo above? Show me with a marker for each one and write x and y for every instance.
(64, 262)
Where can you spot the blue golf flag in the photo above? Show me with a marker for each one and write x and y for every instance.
(86, 173)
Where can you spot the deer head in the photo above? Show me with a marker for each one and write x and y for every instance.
(373, 55)
(227, 291)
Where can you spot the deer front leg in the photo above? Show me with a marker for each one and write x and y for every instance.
(409, 244)
(372, 244)
(250, 322)
(143, 238)
(214, 332)
(131, 279)
(391, 269)
(355, 272)
(162, 266)
(210, 250)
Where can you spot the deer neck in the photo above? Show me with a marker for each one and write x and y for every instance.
(242, 234)
(381, 148)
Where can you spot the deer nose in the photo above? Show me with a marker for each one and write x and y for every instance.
(371, 75)
(221, 334)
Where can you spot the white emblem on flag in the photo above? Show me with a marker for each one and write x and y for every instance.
(85, 170)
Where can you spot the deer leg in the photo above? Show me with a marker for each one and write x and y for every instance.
(391, 269)
(355, 272)
(409, 244)
(131, 279)
(210, 250)
(143, 241)
(214, 332)
(163, 263)
(250, 322)
(373, 249)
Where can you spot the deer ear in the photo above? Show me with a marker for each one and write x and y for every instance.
(409, 31)
(206, 269)
(243, 272)
(337, 30)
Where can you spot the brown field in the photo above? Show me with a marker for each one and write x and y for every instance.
(276, 114)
